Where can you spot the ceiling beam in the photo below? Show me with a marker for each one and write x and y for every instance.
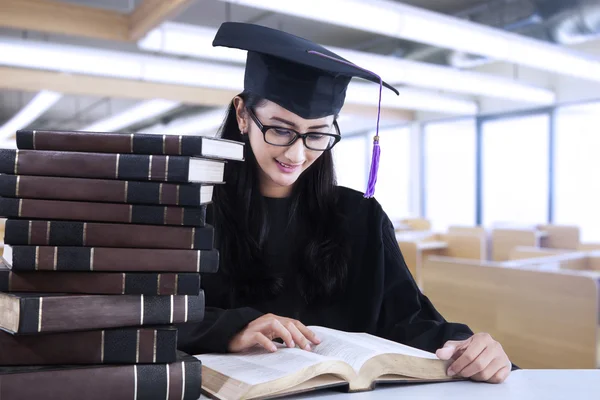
(151, 13)
(57, 17)
(66, 19)
(76, 84)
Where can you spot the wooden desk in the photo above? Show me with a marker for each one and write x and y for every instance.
(432, 245)
(520, 385)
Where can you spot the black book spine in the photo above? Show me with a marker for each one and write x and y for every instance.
(98, 259)
(136, 167)
(130, 283)
(101, 190)
(180, 380)
(71, 233)
(103, 212)
(138, 143)
(94, 347)
(46, 313)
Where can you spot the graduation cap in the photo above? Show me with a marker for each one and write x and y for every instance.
(298, 75)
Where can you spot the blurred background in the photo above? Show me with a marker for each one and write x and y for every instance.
(489, 155)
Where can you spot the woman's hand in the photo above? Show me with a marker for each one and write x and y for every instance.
(479, 358)
(263, 330)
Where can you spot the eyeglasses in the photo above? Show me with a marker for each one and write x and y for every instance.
(280, 136)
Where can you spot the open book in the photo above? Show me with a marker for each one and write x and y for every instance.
(355, 360)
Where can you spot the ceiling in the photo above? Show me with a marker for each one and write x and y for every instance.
(73, 112)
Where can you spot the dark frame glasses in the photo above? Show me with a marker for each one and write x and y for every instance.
(334, 138)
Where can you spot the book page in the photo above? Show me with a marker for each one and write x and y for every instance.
(337, 345)
(358, 348)
(258, 366)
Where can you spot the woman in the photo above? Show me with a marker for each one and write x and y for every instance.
(296, 249)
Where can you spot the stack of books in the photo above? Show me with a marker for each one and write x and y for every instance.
(105, 240)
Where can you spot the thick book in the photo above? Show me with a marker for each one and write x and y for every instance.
(25, 313)
(106, 346)
(149, 284)
(348, 361)
(91, 234)
(134, 143)
(135, 167)
(106, 190)
(102, 212)
(180, 380)
(114, 259)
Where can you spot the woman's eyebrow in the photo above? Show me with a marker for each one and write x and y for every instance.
(293, 125)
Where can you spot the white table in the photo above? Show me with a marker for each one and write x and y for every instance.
(520, 385)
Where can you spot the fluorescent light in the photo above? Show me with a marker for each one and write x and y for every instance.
(138, 113)
(393, 19)
(36, 107)
(190, 40)
(117, 64)
(205, 123)
(195, 41)
(68, 58)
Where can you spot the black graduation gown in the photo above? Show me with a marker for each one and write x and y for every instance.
(382, 297)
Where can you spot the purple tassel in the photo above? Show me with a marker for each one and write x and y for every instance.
(374, 168)
(370, 192)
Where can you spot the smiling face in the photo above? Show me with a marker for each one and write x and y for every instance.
(280, 166)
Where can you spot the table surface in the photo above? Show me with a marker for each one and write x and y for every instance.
(520, 385)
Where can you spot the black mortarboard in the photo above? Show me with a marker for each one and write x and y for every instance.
(280, 68)
(297, 74)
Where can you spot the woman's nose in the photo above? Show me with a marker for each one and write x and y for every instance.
(295, 153)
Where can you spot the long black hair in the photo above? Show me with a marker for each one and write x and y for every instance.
(242, 226)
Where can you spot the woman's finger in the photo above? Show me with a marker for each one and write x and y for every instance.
(473, 350)
(273, 329)
(481, 362)
(501, 375)
(492, 369)
(299, 338)
(260, 339)
(310, 335)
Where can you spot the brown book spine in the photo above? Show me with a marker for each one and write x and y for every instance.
(37, 313)
(149, 284)
(63, 258)
(92, 234)
(103, 212)
(95, 165)
(103, 190)
(107, 346)
(111, 142)
(174, 381)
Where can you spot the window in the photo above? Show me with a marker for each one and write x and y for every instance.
(393, 179)
(449, 173)
(515, 166)
(577, 187)
(349, 157)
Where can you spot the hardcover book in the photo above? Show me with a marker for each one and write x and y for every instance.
(105, 190)
(179, 380)
(149, 284)
(102, 212)
(95, 234)
(39, 313)
(135, 167)
(135, 143)
(149, 345)
(351, 362)
(66, 258)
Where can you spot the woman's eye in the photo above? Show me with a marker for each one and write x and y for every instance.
(283, 132)
(316, 137)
